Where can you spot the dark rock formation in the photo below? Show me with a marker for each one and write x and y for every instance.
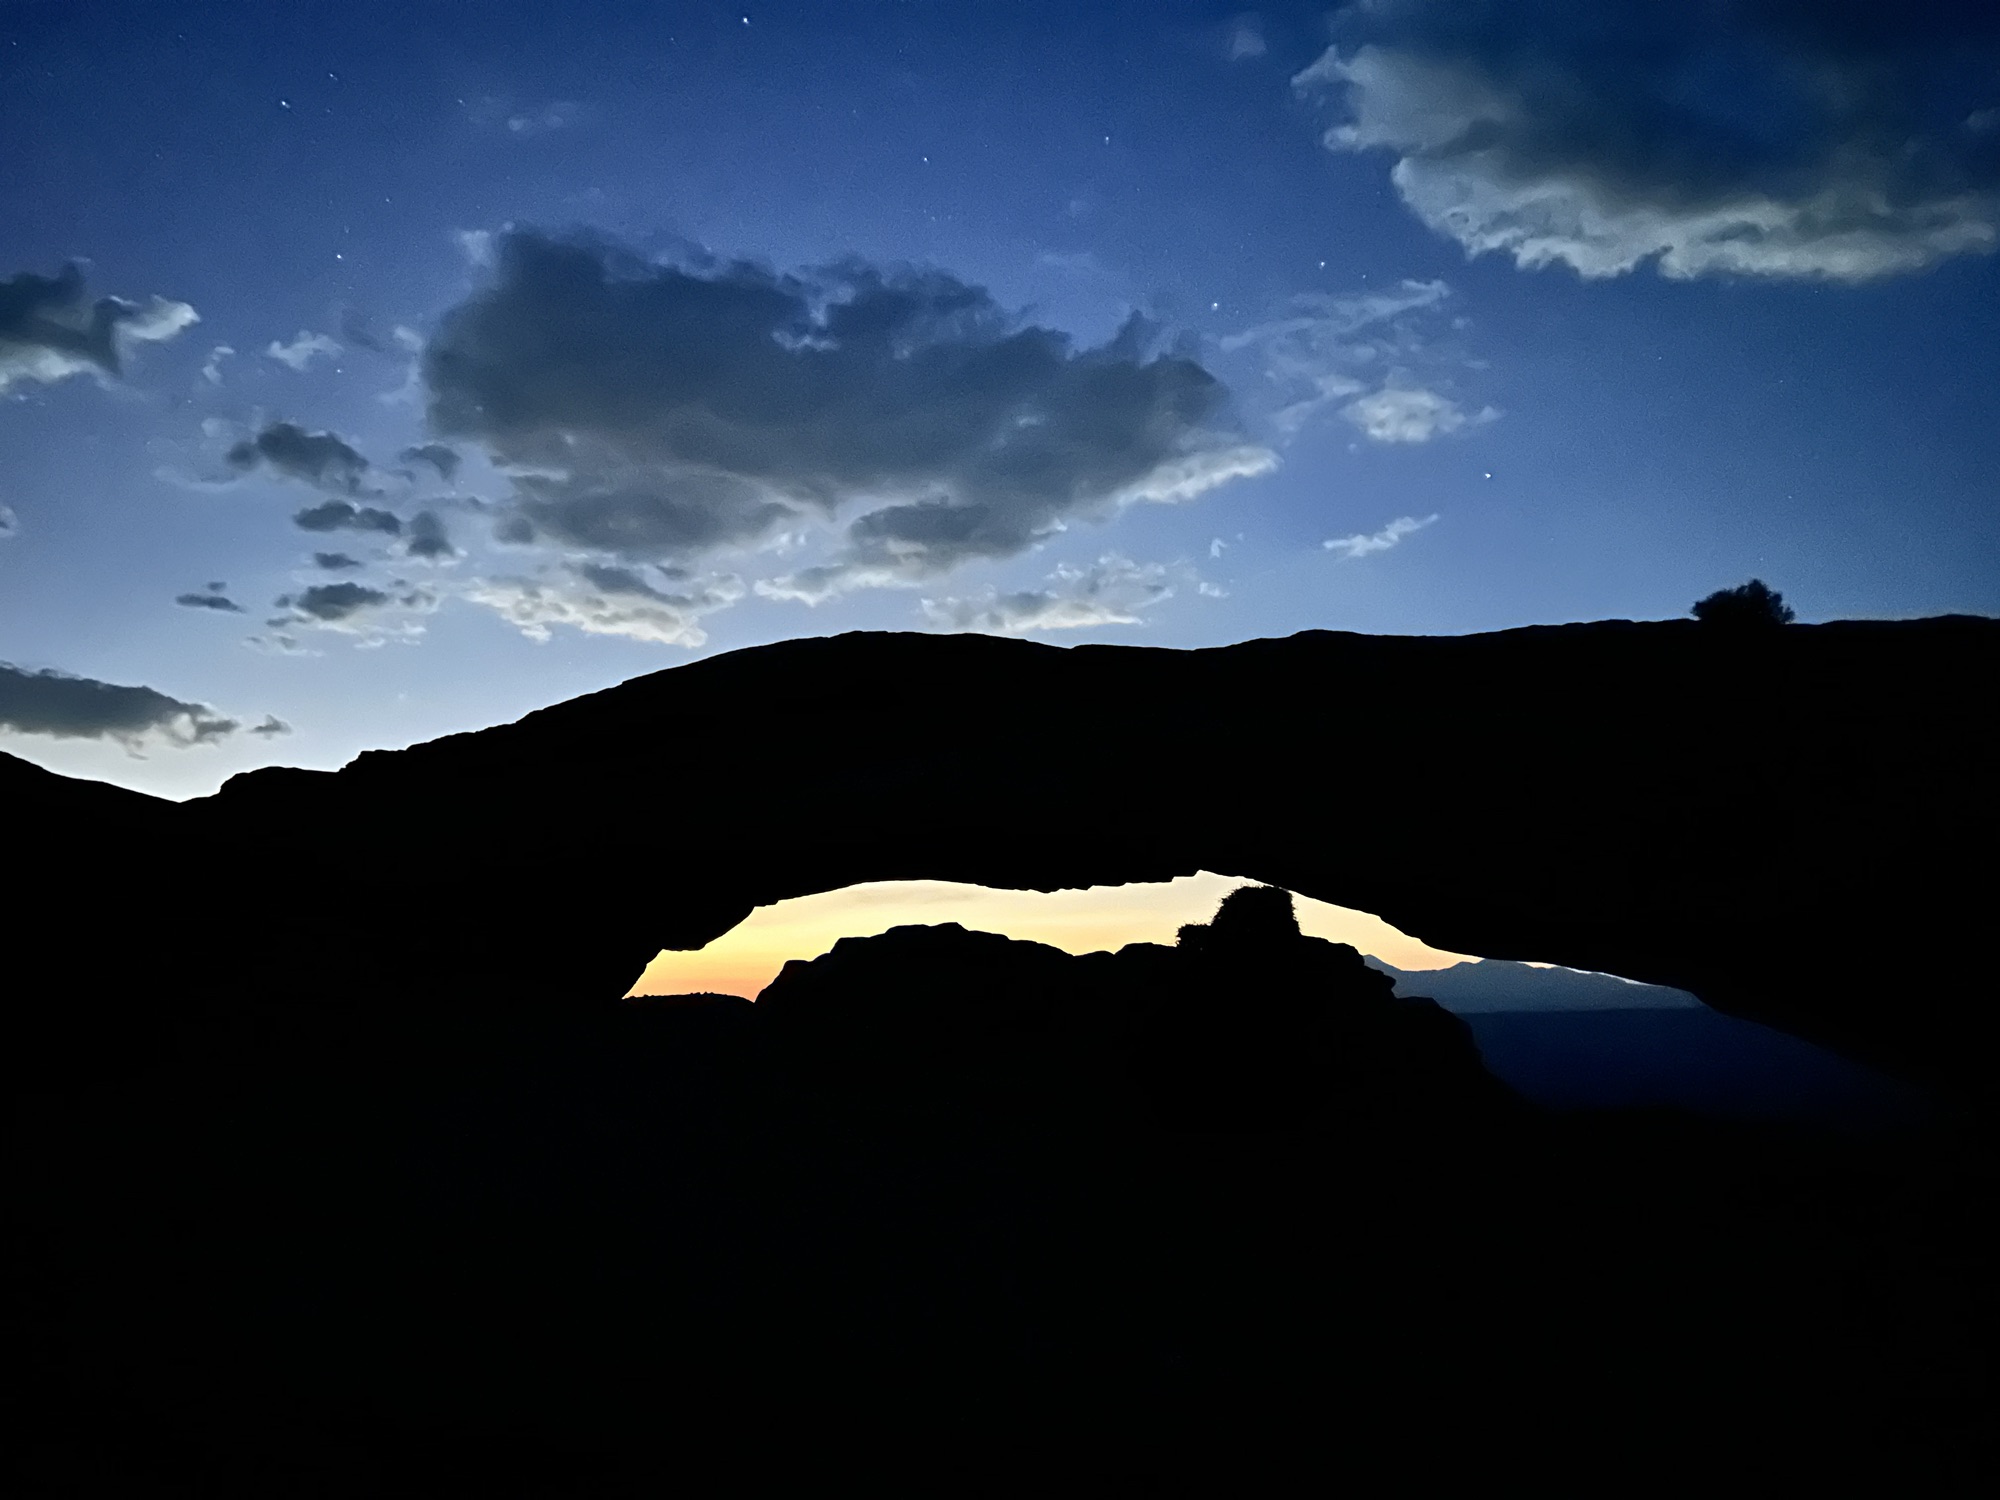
(964, 1207)
(334, 1164)
(1246, 1024)
(1772, 820)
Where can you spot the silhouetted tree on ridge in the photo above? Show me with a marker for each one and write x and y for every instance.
(1748, 605)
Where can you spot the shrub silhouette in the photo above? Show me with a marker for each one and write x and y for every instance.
(1751, 604)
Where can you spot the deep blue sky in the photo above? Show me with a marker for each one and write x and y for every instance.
(1606, 311)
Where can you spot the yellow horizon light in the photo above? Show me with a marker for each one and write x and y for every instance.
(1107, 917)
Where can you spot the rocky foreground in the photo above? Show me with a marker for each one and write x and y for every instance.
(956, 1212)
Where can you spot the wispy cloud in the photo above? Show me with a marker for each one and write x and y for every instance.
(604, 599)
(523, 121)
(301, 351)
(1380, 541)
(1112, 591)
(1371, 356)
(1411, 414)
(1246, 38)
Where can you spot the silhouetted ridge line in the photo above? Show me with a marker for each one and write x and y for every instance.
(1705, 809)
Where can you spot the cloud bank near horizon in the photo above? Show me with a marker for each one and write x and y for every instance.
(63, 706)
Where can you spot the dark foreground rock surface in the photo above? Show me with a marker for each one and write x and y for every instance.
(342, 1169)
(964, 1215)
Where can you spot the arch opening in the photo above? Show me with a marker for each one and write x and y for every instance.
(1563, 1037)
(1096, 918)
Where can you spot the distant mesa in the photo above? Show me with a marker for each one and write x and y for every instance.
(1495, 984)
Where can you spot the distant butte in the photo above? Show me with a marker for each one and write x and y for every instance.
(1772, 820)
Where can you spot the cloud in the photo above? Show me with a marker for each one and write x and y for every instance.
(603, 599)
(542, 120)
(211, 368)
(335, 562)
(320, 459)
(334, 601)
(300, 351)
(1246, 38)
(10, 525)
(66, 707)
(1112, 591)
(50, 330)
(356, 609)
(270, 728)
(339, 515)
(1410, 414)
(1321, 321)
(662, 413)
(523, 122)
(476, 245)
(1361, 545)
(1765, 138)
(214, 599)
(440, 457)
(428, 539)
(1327, 349)
(359, 331)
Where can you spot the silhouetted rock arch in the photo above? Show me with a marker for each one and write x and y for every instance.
(1776, 825)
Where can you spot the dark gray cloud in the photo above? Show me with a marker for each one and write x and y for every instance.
(272, 727)
(335, 562)
(50, 329)
(439, 456)
(356, 609)
(659, 412)
(1836, 139)
(428, 538)
(321, 459)
(66, 707)
(8, 524)
(333, 601)
(213, 599)
(340, 515)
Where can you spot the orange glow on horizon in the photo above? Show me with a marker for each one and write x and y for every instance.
(748, 957)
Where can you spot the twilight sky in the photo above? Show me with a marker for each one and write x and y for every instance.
(370, 372)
